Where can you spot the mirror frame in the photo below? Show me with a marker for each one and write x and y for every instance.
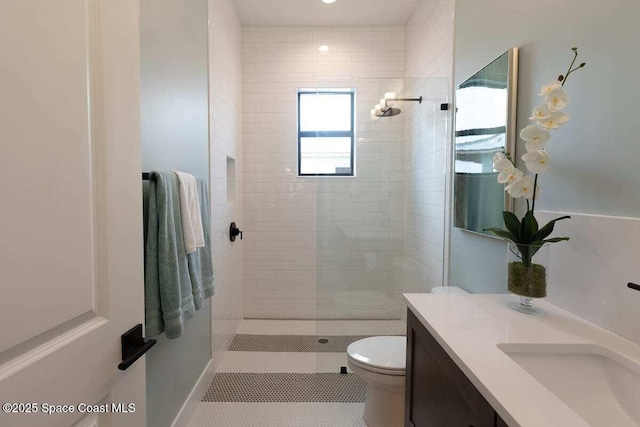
(510, 133)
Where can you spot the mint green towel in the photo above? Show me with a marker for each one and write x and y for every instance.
(168, 288)
(200, 262)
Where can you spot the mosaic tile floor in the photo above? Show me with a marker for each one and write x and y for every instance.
(228, 387)
(280, 376)
(294, 343)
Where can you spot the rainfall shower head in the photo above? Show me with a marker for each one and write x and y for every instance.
(385, 110)
(390, 112)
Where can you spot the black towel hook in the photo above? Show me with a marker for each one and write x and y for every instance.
(234, 231)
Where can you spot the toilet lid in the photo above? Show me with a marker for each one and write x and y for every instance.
(388, 353)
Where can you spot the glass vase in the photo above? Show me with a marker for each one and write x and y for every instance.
(527, 276)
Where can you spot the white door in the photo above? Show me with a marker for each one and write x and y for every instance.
(71, 278)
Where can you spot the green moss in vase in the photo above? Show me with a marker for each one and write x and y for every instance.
(527, 280)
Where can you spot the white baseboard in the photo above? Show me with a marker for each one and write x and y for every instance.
(195, 397)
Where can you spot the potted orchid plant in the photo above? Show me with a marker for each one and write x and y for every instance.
(525, 277)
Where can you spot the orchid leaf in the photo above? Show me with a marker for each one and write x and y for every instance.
(528, 228)
(548, 229)
(512, 223)
(552, 240)
(523, 231)
(533, 224)
(501, 233)
(537, 245)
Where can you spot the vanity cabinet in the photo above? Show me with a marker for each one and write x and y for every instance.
(438, 394)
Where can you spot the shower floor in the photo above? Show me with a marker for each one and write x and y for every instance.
(277, 374)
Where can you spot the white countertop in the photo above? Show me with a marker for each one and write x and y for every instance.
(469, 327)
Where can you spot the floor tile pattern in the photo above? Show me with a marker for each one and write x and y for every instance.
(294, 343)
(280, 377)
(322, 327)
(286, 388)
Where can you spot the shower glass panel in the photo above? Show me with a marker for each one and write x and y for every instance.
(380, 232)
(359, 229)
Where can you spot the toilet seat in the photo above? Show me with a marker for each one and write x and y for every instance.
(381, 354)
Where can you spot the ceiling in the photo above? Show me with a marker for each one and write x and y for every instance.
(316, 13)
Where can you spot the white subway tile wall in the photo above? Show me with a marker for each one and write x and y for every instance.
(428, 149)
(322, 247)
(225, 88)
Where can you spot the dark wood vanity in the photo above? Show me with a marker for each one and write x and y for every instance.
(438, 394)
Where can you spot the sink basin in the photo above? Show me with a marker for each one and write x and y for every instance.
(600, 385)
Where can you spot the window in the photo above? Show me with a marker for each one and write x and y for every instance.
(326, 132)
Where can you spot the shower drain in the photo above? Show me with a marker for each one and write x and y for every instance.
(323, 340)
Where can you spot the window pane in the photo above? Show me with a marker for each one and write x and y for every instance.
(481, 107)
(325, 112)
(325, 155)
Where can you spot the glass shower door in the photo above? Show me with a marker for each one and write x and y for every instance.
(381, 232)
(359, 233)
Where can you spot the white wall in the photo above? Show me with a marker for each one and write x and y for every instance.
(225, 76)
(588, 274)
(326, 247)
(429, 70)
(594, 156)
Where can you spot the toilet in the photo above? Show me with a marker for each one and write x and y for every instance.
(381, 362)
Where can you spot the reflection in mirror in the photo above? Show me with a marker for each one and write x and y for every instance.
(485, 123)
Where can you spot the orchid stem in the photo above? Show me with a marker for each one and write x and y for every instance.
(535, 185)
(575, 56)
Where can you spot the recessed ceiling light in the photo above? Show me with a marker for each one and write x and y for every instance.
(328, 1)
(323, 48)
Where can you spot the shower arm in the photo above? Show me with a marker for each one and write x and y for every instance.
(418, 100)
(390, 111)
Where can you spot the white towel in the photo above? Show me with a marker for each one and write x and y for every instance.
(191, 214)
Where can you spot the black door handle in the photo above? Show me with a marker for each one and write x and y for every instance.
(234, 231)
(134, 346)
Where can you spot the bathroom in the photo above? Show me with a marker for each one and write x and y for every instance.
(341, 255)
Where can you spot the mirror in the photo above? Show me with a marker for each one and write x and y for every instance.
(485, 125)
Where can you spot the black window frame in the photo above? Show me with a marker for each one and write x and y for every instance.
(329, 134)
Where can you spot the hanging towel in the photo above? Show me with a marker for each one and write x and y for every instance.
(168, 289)
(200, 262)
(190, 210)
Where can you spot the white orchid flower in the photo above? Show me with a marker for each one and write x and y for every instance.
(497, 157)
(503, 165)
(523, 187)
(547, 89)
(557, 100)
(535, 136)
(554, 121)
(509, 176)
(541, 112)
(537, 161)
